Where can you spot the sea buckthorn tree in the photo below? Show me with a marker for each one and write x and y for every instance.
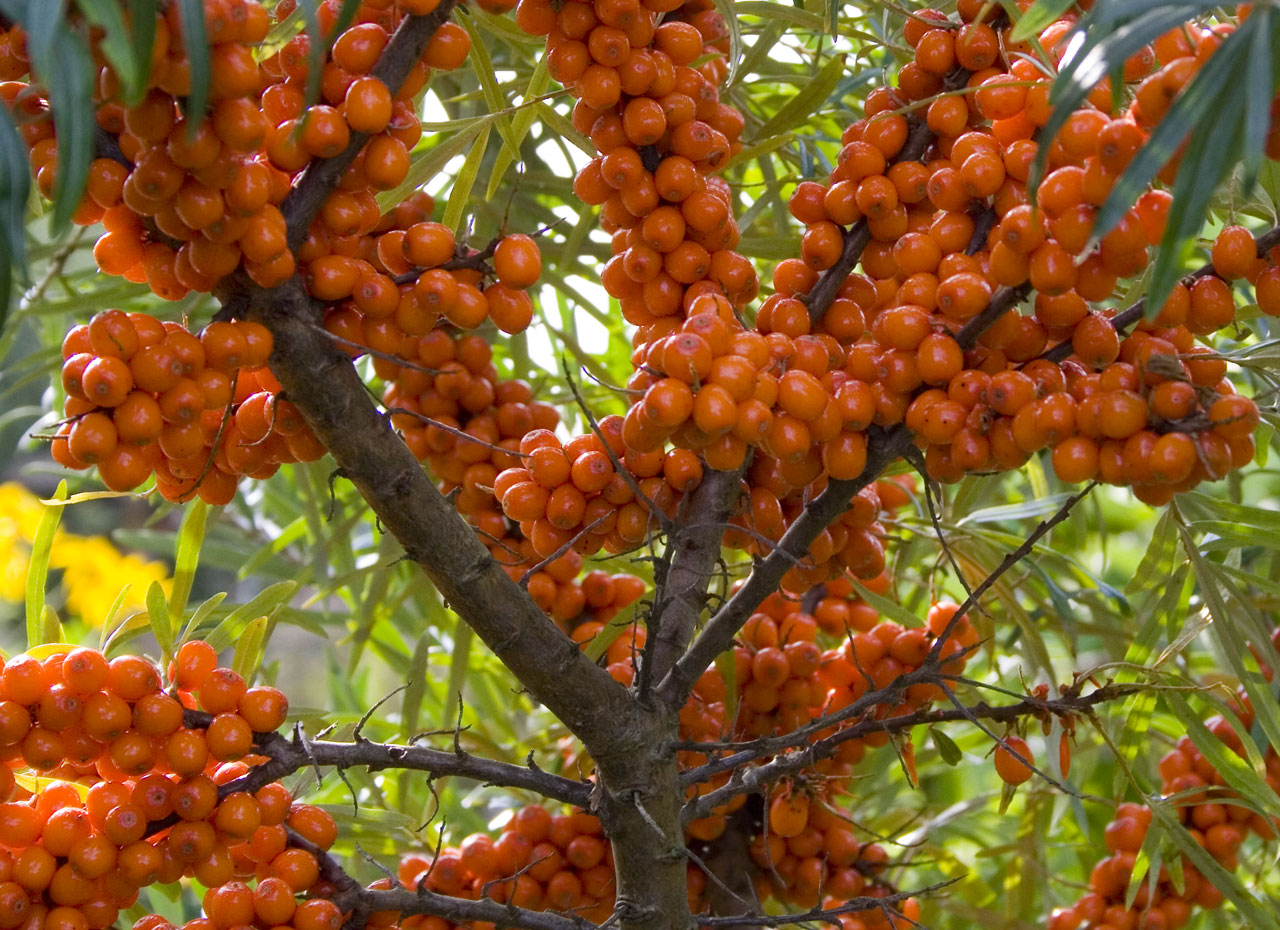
(690, 463)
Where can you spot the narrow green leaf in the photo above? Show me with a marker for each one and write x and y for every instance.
(430, 164)
(42, 21)
(190, 538)
(482, 65)
(809, 100)
(142, 18)
(158, 616)
(196, 44)
(67, 69)
(109, 622)
(129, 625)
(520, 126)
(249, 648)
(1259, 89)
(266, 602)
(199, 615)
(1207, 159)
(563, 128)
(729, 13)
(459, 663)
(948, 751)
(727, 666)
(117, 42)
(1157, 563)
(51, 626)
(887, 607)
(760, 149)
(15, 188)
(1227, 627)
(1042, 14)
(760, 49)
(315, 49)
(464, 180)
(38, 567)
(415, 689)
(1032, 507)
(778, 12)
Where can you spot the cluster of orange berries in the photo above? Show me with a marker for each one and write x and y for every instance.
(137, 795)
(186, 202)
(541, 861)
(197, 410)
(784, 679)
(1152, 410)
(471, 427)
(411, 277)
(564, 492)
(811, 856)
(580, 603)
(1208, 810)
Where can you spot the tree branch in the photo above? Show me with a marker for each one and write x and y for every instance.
(862, 903)
(1135, 311)
(748, 780)
(326, 388)
(287, 756)
(696, 545)
(321, 176)
(884, 446)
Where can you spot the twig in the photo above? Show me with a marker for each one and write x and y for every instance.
(286, 756)
(862, 903)
(748, 779)
(1135, 311)
(1010, 560)
(524, 579)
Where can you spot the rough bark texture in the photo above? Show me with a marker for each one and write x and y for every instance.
(697, 548)
(640, 807)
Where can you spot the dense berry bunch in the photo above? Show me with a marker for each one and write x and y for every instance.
(411, 279)
(143, 790)
(951, 223)
(187, 200)
(541, 861)
(1211, 812)
(197, 410)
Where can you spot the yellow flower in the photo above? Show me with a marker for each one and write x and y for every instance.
(20, 512)
(95, 571)
(19, 508)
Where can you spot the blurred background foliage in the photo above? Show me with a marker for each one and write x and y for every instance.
(1119, 590)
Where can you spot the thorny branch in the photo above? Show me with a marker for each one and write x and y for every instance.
(288, 755)
(747, 780)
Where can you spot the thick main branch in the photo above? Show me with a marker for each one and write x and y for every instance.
(321, 380)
